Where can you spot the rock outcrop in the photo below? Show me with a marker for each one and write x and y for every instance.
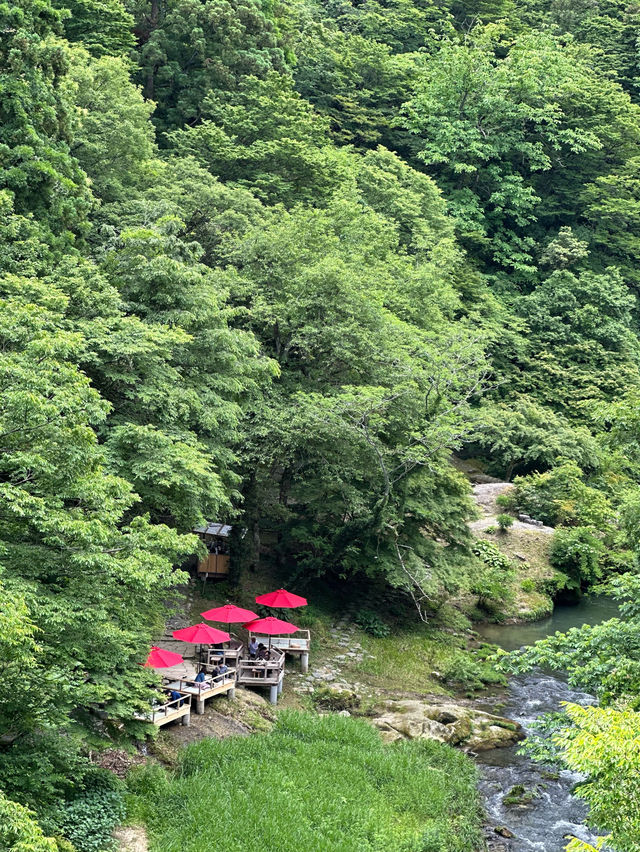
(458, 725)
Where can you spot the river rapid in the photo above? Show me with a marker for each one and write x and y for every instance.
(554, 813)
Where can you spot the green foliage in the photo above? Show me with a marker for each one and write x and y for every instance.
(577, 552)
(604, 659)
(101, 26)
(345, 788)
(113, 140)
(492, 581)
(522, 436)
(491, 554)
(506, 501)
(602, 744)
(497, 127)
(504, 522)
(20, 832)
(188, 48)
(265, 137)
(372, 623)
(562, 497)
(358, 83)
(371, 234)
(36, 116)
(89, 820)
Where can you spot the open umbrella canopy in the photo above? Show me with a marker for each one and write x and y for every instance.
(229, 614)
(281, 599)
(160, 659)
(201, 634)
(270, 626)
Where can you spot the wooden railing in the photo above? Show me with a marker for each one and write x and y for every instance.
(194, 687)
(299, 642)
(229, 654)
(160, 711)
(261, 672)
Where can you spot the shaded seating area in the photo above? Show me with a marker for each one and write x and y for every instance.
(268, 673)
(169, 711)
(296, 644)
(200, 691)
(257, 665)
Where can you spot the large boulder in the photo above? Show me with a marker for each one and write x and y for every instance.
(466, 727)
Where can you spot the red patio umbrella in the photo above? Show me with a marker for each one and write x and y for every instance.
(160, 659)
(201, 634)
(229, 614)
(270, 626)
(281, 599)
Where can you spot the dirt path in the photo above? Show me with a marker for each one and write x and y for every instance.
(131, 838)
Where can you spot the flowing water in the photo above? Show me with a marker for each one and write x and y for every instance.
(554, 813)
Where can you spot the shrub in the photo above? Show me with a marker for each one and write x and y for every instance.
(504, 522)
(48, 766)
(493, 581)
(19, 830)
(507, 500)
(371, 623)
(552, 585)
(528, 585)
(576, 552)
(561, 497)
(89, 820)
(491, 555)
(470, 674)
(332, 698)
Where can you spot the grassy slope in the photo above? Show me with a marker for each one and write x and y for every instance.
(318, 784)
(528, 604)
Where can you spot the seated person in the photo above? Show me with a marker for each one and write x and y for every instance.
(175, 695)
(222, 667)
(200, 676)
(216, 669)
(263, 653)
(252, 648)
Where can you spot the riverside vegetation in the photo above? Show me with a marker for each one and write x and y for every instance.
(274, 261)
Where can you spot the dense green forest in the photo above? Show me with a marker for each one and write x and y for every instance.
(273, 262)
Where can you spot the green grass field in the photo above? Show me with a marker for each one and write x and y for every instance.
(314, 784)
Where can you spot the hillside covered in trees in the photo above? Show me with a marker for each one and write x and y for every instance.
(274, 262)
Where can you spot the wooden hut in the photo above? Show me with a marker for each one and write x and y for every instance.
(216, 564)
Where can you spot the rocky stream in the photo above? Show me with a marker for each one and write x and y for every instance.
(541, 813)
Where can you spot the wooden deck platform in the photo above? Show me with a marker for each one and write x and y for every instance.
(264, 673)
(230, 654)
(296, 644)
(170, 711)
(222, 684)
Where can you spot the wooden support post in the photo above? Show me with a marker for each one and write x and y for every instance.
(304, 662)
(186, 720)
(273, 694)
(280, 682)
(232, 693)
(200, 706)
